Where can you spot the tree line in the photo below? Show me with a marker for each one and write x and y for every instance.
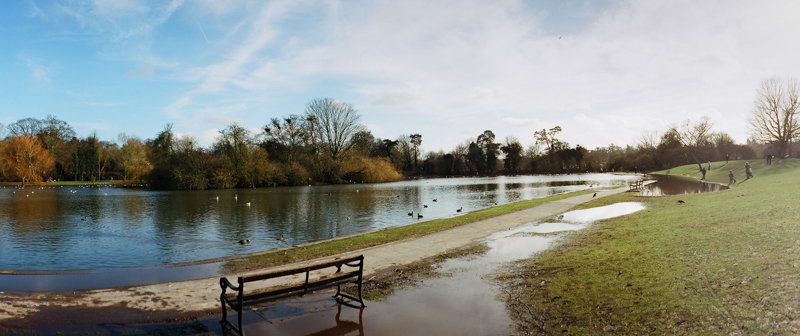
(327, 144)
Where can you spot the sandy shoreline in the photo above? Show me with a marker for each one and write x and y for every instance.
(193, 298)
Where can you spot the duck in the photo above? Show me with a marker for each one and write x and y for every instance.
(281, 238)
(244, 241)
(595, 194)
(424, 205)
(434, 200)
(459, 209)
(411, 213)
(419, 215)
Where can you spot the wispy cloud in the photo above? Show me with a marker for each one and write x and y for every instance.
(38, 70)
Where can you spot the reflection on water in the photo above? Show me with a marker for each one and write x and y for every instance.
(669, 185)
(87, 228)
(464, 301)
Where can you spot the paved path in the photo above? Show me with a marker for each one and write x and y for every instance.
(194, 296)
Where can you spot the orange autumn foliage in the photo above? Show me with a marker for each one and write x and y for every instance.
(27, 159)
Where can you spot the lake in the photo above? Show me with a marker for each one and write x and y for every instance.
(66, 228)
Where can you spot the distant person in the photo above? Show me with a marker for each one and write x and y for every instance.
(767, 159)
(748, 174)
(709, 165)
(731, 180)
(703, 170)
(726, 157)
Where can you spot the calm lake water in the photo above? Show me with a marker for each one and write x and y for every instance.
(89, 228)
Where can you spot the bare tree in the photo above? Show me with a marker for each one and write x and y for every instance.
(289, 133)
(775, 114)
(27, 126)
(333, 123)
(695, 138)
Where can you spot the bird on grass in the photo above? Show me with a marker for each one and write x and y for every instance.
(681, 201)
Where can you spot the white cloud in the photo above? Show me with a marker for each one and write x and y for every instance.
(423, 67)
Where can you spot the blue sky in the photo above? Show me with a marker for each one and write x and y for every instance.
(605, 71)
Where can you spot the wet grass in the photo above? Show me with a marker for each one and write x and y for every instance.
(386, 283)
(374, 238)
(720, 263)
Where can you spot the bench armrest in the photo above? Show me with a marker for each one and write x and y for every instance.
(224, 283)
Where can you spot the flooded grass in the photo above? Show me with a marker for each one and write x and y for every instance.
(388, 282)
(715, 263)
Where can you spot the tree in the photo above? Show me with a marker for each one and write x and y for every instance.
(235, 143)
(364, 143)
(27, 126)
(289, 133)
(27, 158)
(133, 159)
(490, 150)
(332, 124)
(513, 155)
(58, 137)
(548, 139)
(406, 150)
(416, 141)
(775, 114)
(696, 139)
(161, 156)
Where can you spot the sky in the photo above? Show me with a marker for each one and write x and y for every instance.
(606, 71)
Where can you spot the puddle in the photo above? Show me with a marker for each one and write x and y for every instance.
(598, 213)
(666, 185)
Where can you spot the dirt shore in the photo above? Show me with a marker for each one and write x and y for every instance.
(187, 300)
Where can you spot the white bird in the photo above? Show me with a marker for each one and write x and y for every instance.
(235, 197)
(217, 198)
(247, 204)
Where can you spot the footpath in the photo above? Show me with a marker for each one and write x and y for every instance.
(166, 301)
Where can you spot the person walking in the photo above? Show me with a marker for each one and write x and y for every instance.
(748, 174)
(731, 180)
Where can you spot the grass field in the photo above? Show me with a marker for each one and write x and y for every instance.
(721, 263)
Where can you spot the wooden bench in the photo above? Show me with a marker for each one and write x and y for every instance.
(636, 185)
(241, 298)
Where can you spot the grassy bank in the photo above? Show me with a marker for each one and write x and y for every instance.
(720, 263)
(374, 238)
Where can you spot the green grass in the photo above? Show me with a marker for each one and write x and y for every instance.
(721, 263)
(388, 235)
